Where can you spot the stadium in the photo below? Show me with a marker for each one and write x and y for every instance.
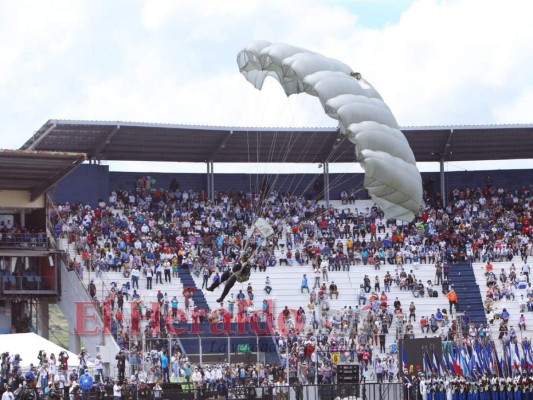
(61, 207)
(383, 285)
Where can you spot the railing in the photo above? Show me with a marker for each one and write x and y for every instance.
(16, 283)
(23, 241)
(187, 391)
(66, 260)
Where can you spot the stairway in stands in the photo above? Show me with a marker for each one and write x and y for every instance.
(188, 282)
(469, 299)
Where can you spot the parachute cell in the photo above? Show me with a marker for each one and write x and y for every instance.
(391, 176)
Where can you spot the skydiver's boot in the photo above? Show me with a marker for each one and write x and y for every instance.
(213, 286)
(225, 276)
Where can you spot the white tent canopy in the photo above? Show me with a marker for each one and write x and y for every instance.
(28, 345)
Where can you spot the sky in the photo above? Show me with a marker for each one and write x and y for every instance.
(456, 62)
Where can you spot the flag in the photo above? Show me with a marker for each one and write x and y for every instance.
(517, 361)
(451, 366)
(471, 368)
(526, 349)
(431, 369)
(404, 358)
(444, 365)
(457, 363)
(496, 362)
(437, 364)
(457, 368)
(487, 360)
(465, 361)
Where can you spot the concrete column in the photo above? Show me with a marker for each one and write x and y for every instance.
(210, 180)
(43, 327)
(22, 219)
(326, 183)
(442, 183)
(74, 344)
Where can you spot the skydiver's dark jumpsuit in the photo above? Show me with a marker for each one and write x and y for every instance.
(237, 273)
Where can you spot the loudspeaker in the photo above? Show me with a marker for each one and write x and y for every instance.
(348, 380)
(409, 336)
(347, 373)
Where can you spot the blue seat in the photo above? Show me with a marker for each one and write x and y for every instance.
(39, 282)
(13, 283)
(30, 283)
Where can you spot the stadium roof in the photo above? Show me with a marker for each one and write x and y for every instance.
(35, 171)
(126, 141)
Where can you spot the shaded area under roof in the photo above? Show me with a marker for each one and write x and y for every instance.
(125, 141)
(35, 171)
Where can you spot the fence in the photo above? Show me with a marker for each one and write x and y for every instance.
(144, 353)
(367, 391)
(185, 391)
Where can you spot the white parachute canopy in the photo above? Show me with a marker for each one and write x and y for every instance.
(391, 176)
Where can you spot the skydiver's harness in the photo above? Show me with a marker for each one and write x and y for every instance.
(241, 272)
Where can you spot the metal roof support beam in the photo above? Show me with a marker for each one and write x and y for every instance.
(445, 152)
(335, 144)
(42, 136)
(221, 146)
(210, 180)
(54, 180)
(333, 147)
(326, 182)
(105, 142)
(442, 184)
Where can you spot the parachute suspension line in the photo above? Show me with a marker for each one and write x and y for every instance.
(257, 153)
(248, 153)
(338, 181)
(269, 180)
(287, 147)
(262, 183)
(294, 182)
(303, 155)
(291, 182)
(332, 186)
(290, 188)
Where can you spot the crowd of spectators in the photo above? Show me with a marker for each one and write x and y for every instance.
(152, 232)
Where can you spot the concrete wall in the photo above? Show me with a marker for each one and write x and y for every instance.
(77, 308)
(19, 199)
(5, 316)
(86, 184)
(89, 183)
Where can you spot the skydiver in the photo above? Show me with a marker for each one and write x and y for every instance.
(239, 272)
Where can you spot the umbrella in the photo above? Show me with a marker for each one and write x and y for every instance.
(189, 290)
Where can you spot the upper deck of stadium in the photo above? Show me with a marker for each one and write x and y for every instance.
(128, 141)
